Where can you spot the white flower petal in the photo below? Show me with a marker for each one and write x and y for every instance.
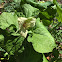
(24, 33)
(26, 23)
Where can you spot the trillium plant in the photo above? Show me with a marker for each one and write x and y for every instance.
(24, 32)
(25, 24)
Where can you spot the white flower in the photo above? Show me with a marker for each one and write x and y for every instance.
(25, 24)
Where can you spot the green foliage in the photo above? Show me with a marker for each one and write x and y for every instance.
(59, 11)
(29, 54)
(40, 6)
(11, 44)
(23, 36)
(59, 60)
(29, 11)
(57, 32)
(41, 39)
(47, 15)
(2, 49)
(7, 19)
(14, 45)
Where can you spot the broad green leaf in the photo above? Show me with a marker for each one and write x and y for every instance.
(44, 58)
(29, 11)
(42, 40)
(7, 19)
(28, 55)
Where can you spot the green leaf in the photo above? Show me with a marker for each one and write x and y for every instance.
(15, 34)
(14, 44)
(46, 4)
(7, 19)
(44, 58)
(11, 43)
(59, 11)
(29, 11)
(48, 14)
(40, 6)
(42, 40)
(46, 22)
(28, 55)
